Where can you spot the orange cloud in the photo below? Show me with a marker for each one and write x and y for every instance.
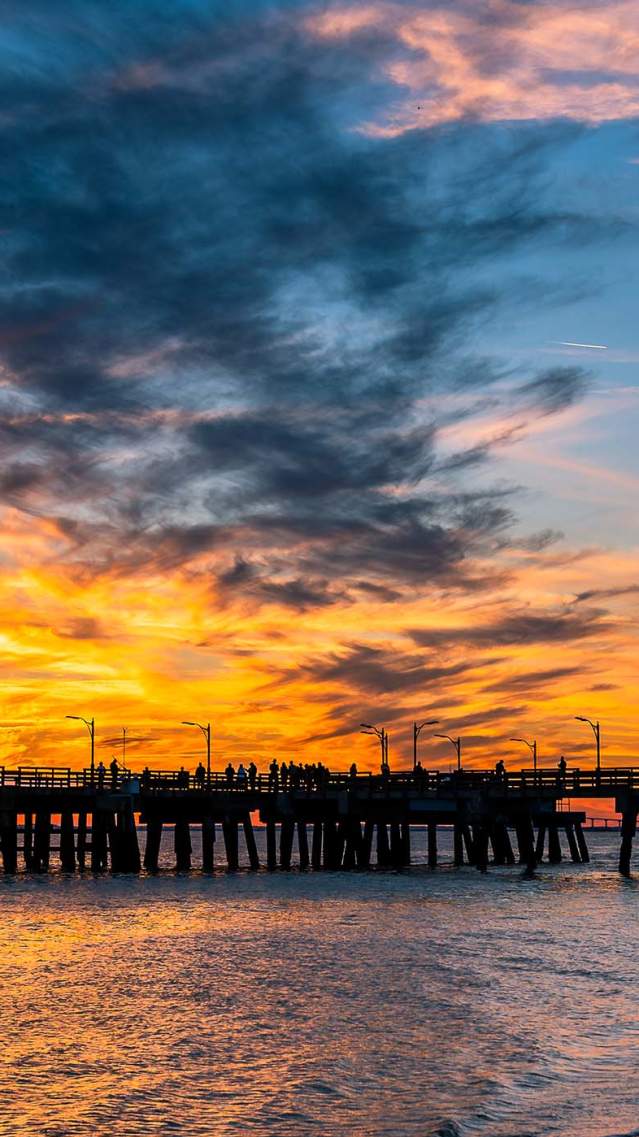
(501, 61)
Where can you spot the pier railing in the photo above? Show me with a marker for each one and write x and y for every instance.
(573, 782)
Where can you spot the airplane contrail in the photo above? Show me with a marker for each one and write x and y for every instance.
(571, 343)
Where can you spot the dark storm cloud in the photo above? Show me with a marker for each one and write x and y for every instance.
(381, 671)
(606, 593)
(190, 226)
(520, 628)
(528, 682)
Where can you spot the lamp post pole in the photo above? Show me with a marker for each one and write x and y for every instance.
(456, 742)
(532, 746)
(206, 731)
(90, 725)
(381, 734)
(417, 730)
(596, 730)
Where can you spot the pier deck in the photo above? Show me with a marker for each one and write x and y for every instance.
(335, 824)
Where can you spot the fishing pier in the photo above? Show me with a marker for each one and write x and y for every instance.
(347, 822)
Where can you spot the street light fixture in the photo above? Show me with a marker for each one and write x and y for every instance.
(417, 730)
(532, 746)
(368, 728)
(90, 725)
(456, 742)
(206, 731)
(596, 730)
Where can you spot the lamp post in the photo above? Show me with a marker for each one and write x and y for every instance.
(596, 730)
(456, 742)
(381, 734)
(90, 725)
(532, 746)
(206, 731)
(417, 730)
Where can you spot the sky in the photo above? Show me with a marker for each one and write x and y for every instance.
(298, 426)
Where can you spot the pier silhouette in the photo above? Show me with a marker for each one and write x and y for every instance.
(335, 820)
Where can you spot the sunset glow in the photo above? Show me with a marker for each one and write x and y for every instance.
(297, 428)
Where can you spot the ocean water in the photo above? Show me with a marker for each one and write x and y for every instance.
(421, 1003)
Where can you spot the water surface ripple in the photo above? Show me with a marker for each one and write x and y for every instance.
(389, 1004)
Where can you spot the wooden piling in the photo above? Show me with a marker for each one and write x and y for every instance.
(316, 848)
(469, 844)
(406, 856)
(9, 840)
(42, 841)
(27, 841)
(271, 846)
(367, 844)
(509, 856)
(231, 846)
(581, 843)
(153, 841)
(497, 842)
(251, 847)
(480, 847)
(208, 844)
(82, 840)
(432, 844)
(182, 845)
(554, 848)
(302, 844)
(383, 849)
(98, 841)
(67, 842)
(541, 841)
(628, 827)
(332, 858)
(458, 845)
(572, 844)
(287, 832)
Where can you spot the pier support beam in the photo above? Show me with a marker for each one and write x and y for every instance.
(287, 832)
(383, 849)
(42, 841)
(332, 848)
(67, 842)
(458, 845)
(554, 848)
(628, 827)
(572, 845)
(208, 844)
(27, 841)
(271, 846)
(231, 845)
(367, 844)
(9, 840)
(152, 847)
(98, 841)
(432, 844)
(581, 843)
(316, 849)
(480, 847)
(396, 851)
(526, 842)
(82, 840)
(182, 845)
(251, 847)
(406, 844)
(541, 841)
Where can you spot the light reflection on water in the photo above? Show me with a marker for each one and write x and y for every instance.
(375, 1003)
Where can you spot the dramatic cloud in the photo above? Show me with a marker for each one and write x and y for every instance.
(498, 61)
(245, 416)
